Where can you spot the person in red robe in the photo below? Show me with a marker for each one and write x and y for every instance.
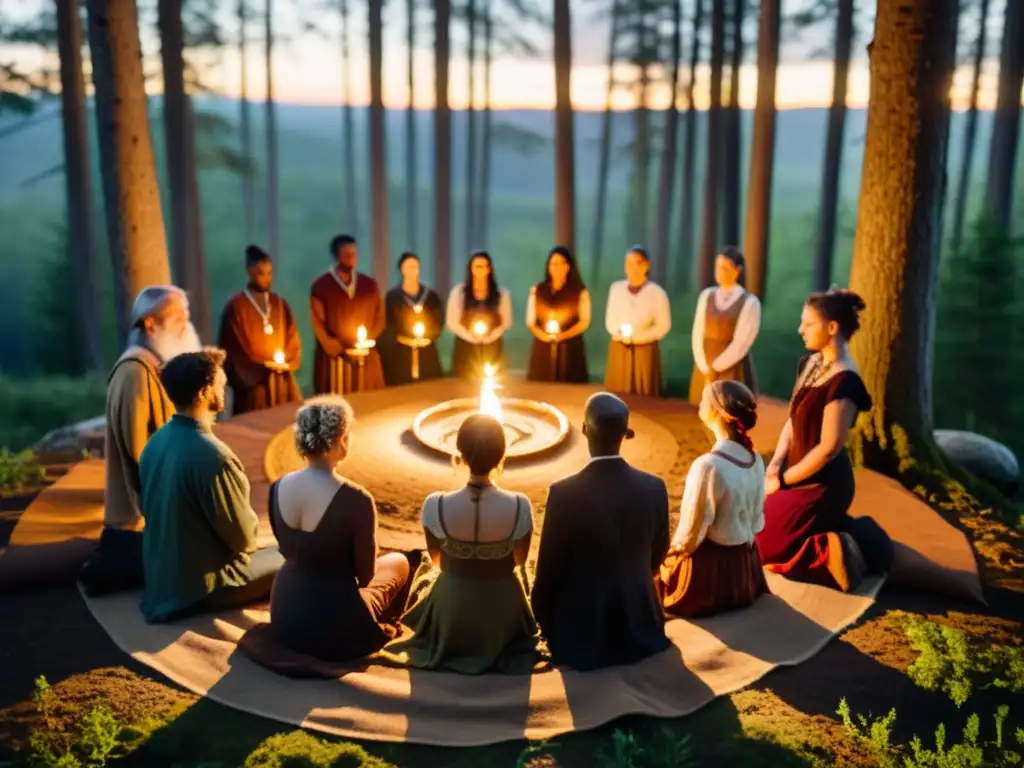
(261, 341)
(343, 301)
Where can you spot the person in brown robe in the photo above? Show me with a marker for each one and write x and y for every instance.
(341, 302)
(725, 326)
(137, 406)
(605, 535)
(259, 336)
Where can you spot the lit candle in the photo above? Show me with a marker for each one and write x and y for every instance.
(626, 331)
(552, 327)
(479, 329)
(418, 330)
(490, 403)
(361, 335)
(279, 357)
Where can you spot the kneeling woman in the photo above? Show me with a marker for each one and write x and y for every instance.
(479, 313)
(473, 615)
(333, 595)
(713, 565)
(808, 533)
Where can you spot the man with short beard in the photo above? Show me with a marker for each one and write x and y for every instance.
(199, 544)
(137, 406)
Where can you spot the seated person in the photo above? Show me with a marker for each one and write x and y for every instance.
(808, 532)
(199, 544)
(605, 535)
(712, 564)
(473, 616)
(137, 406)
(333, 592)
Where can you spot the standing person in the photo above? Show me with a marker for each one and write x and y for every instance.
(638, 317)
(808, 533)
(259, 336)
(137, 406)
(199, 544)
(343, 301)
(411, 307)
(479, 313)
(725, 326)
(605, 535)
(558, 313)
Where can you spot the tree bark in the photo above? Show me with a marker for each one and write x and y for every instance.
(442, 149)
(199, 291)
(762, 153)
(731, 182)
(1002, 159)
(826, 239)
(471, 149)
(78, 184)
(378, 147)
(245, 128)
(172, 41)
(685, 241)
(411, 181)
(970, 133)
(896, 248)
(604, 157)
(486, 140)
(565, 164)
(270, 116)
(669, 153)
(350, 181)
(639, 220)
(709, 226)
(135, 222)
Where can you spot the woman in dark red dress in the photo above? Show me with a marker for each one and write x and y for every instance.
(557, 314)
(808, 534)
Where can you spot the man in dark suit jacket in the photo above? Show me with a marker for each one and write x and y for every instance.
(605, 534)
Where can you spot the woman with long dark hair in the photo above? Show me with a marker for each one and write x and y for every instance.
(479, 313)
(415, 319)
(557, 314)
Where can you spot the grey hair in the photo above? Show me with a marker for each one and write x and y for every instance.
(321, 424)
(153, 300)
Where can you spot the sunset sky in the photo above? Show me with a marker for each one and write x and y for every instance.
(307, 67)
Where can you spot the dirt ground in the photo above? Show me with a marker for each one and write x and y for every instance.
(788, 718)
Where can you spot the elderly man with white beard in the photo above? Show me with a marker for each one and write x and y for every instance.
(137, 406)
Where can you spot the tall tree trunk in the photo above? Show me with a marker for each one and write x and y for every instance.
(442, 149)
(135, 221)
(471, 149)
(709, 225)
(78, 184)
(604, 158)
(896, 248)
(640, 218)
(762, 153)
(378, 147)
(411, 182)
(350, 179)
(245, 127)
(684, 261)
(172, 42)
(486, 140)
(970, 133)
(270, 116)
(667, 175)
(826, 239)
(199, 291)
(1002, 159)
(732, 182)
(565, 164)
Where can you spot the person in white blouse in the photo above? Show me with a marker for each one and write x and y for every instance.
(725, 326)
(557, 314)
(479, 313)
(638, 317)
(713, 563)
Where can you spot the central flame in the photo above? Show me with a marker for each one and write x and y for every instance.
(489, 401)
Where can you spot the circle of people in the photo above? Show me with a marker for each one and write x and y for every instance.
(179, 522)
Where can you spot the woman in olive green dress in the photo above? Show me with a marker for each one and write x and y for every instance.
(469, 609)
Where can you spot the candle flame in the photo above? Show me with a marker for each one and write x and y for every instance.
(418, 330)
(361, 333)
(279, 357)
(490, 404)
(626, 331)
(479, 328)
(552, 327)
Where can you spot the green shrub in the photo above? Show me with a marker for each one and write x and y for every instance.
(19, 471)
(299, 749)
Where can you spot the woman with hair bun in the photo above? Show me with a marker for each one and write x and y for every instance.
(469, 610)
(808, 534)
(334, 597)
(713, 565)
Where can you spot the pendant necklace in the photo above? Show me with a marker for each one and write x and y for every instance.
(264, 314)
(415, 302)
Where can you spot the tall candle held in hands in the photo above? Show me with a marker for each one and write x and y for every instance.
(626, 331)
(279, 357)
(552, 327)
(418, 330)
(361, 335)
(479, 329)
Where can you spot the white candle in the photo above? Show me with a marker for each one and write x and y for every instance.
(361, 334)
(552, 327)
(418, 330)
